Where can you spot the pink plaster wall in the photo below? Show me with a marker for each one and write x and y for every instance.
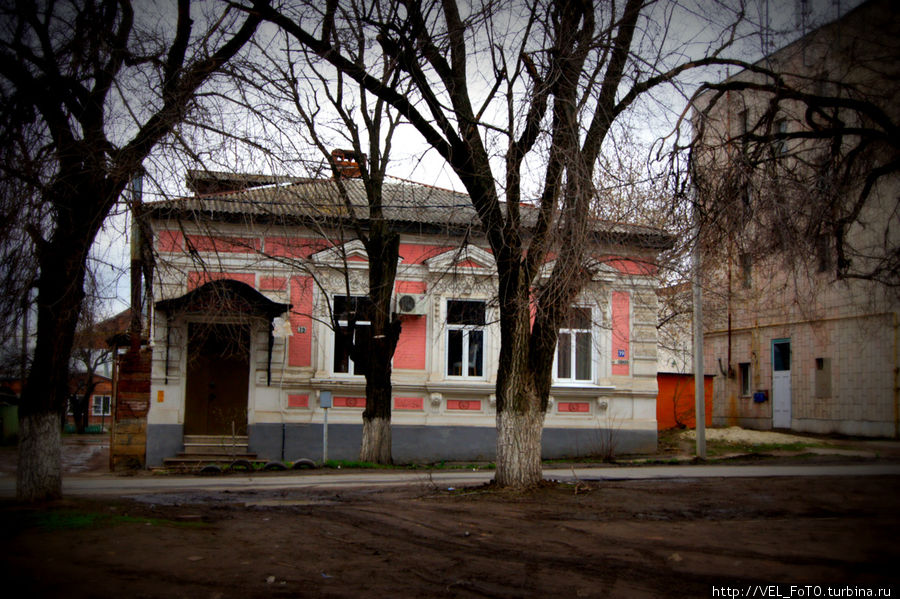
(300, 345)
(231, 245)
(410, 352)
(414, 253)
(413, 342)
(630, 266)
(621, 331)
(298, 401)
(350, 402)
(293, 247)
(570, 407)
(410, 287)
(196, 279)
(408, 403)
(464, 404)
(272, 283)
(170, 241)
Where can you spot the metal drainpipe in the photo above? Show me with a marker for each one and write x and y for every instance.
(896, 376)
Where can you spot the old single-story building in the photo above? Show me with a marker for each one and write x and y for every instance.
(252, 271)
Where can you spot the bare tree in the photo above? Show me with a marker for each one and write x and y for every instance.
(516, 87)
(89, 89)
(322, 99)
(797, 155)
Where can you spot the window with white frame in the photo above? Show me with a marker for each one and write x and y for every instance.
(100, 405)
(353, 316)
(465, 338)
(744, 372)
(575, 347)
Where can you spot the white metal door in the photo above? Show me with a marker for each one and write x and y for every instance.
(781, 383)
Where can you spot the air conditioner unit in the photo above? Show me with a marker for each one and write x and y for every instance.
(411, 304)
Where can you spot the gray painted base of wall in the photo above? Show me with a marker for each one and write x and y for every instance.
(163, 441)
(425, 444)
(419, 444)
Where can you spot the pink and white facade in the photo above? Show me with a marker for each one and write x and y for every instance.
(444, 368)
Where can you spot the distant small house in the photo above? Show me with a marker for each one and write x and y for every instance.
(100, 403)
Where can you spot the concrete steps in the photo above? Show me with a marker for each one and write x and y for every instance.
(215, 445)
(211, 450)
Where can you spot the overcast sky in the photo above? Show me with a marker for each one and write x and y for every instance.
(788, 20)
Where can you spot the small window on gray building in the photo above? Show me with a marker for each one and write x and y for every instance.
(780, 142)
(823, 251)
(744, 125)
(823, 378)
(746, 270)
(744, 372)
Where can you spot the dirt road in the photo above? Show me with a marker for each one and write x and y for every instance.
(622, 538)
(615, 539)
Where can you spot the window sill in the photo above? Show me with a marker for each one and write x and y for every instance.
(563, 390)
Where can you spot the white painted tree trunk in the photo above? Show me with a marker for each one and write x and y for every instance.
(376, 441)
(39, 471)
(519, 449)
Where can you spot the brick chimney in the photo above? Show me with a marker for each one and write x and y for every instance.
(347, 163)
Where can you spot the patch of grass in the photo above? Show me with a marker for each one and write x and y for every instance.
(338, 464)
(442, 465)
(60, 520)
(716, 448)
(657, 462)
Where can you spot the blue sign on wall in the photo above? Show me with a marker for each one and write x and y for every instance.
(621, 353)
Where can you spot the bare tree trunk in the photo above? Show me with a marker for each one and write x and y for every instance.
(519, 444)
(60, 292)
(376, 441)
(39, 471)
(376, 435)
(520, 408)
(383, 249)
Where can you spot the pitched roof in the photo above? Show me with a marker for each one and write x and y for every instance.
(411, 207)
(320, 199)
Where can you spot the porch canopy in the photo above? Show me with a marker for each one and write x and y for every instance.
(225, 297)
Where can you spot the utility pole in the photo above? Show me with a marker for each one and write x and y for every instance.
(137, 185)
(699, 403)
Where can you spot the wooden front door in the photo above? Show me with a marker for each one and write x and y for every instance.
(218, 374)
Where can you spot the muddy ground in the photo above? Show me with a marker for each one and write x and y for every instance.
(615, 539)
(620, 539)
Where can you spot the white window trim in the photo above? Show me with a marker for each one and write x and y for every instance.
(351, 365)
(102, 412)
(466, 328)
(351, 373)
(742, 382)
(573, 382)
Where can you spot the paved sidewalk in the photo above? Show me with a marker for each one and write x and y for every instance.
(110, 485)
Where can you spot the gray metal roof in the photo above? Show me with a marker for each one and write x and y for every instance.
(409, 206)
(320, 199)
